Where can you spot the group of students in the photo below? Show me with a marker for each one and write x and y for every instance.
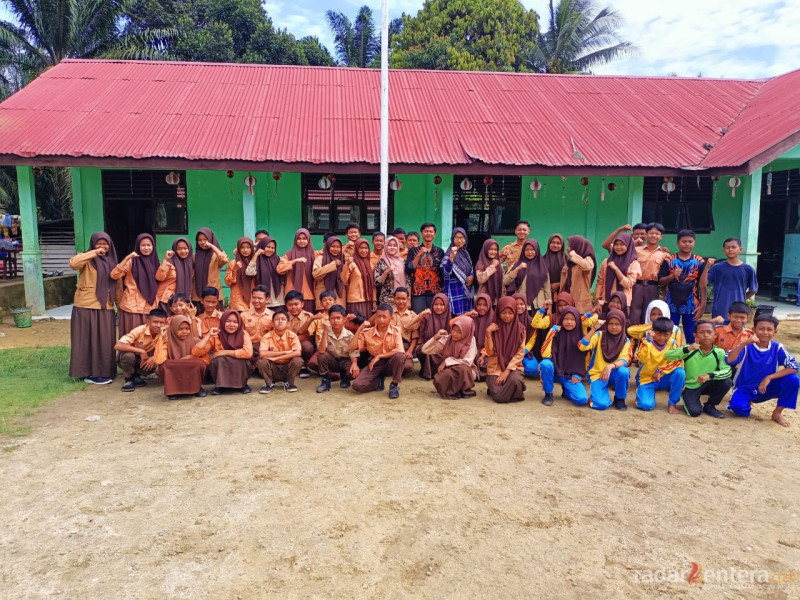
(359, 312)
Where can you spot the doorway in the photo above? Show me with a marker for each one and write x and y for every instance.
(773, 224)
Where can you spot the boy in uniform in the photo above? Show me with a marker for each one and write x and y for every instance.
(656, 371)
(136, 350)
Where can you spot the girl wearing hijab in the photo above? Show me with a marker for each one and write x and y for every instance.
(360, 281)
(554, 259)
(140, 294)
(328, 272)
(578, 274)
(230, 350)
(483, 315)
(655, 310)
(208, 261)
(609, 358)
(504, 350)
(92, 331)
(456, 375)
(264, 267)
(489, 272)
(618, 301)
(619, 271)
(181, 372)
(529, 278)
(432, 320)
(563, 361)
(176, 273)
(298, 266)
(522, 313)
(236, 277)
(458, 273)
(390, 271)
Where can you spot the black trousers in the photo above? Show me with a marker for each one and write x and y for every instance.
(715, 389)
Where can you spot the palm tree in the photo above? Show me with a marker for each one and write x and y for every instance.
(53, 192)
(579, 38)
(356, 44)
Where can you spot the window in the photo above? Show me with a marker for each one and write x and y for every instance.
(783, 187)
(350, 198)
(688, 206)
(487, 209)
(164, 203)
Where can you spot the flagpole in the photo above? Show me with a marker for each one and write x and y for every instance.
(384, 116)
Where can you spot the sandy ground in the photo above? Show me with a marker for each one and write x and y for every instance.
(338, 495)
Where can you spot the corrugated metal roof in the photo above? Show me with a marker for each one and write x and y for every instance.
(330, 116)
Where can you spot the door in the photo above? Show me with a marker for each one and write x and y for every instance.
(471, 215)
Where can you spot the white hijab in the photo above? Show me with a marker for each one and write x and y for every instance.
(657, 304)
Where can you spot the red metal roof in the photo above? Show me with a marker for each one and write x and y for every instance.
(91, 111)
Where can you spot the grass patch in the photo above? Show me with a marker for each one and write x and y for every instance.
(31, 377)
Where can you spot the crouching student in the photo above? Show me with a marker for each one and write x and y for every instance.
(384, 343)
(766, 371)
(610, 355)
(334, 354)
(655, 310)
(656, 372)
(299, 322)
(230, 349)
(211, 314)
(406, 321)
(257, 319)
(707, 373)
(735, 332)
(136, 350)
(456, 375)
(563, 360)
(279, 355)
(180, 371)
(504, 349)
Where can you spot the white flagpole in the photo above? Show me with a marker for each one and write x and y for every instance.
(384, 115)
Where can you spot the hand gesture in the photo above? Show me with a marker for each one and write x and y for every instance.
(762, 387)
(656, 375)
(547, 304)
(191, 309)
(100, 251)
(495, 263)
(503, 253)
(521, 266)
(676, 272)
(164, 330)
(354, 370)
(470, 279)
(473, 313)
(501, 379)
(606, 374)
(710, 262)
(627, 227)
(492, 328)
(481, 360)
(213, 332)
(575, 379)
(131, 255)
(239, 264)
(168, 254)
(338, 263)
(556, 328)
(453, 250)
(703, 378)
(302, 259)
(425, 312)
(440, 334)
(719, 320)
(318, 316)
(349, 317)
(597, 326)
(236, 252)
(753, 339)
(694, 347)
(373, 362)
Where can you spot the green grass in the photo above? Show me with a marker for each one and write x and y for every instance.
(30, 378)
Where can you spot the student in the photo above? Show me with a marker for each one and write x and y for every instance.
(321, 320)
(208, 261)
(456, 375)
(650, 256)
(359, 278)
(529, 279)
(412, 240)
(299, 322)
(686, 293)
(707, 373)
(179, 304)
(458, 274)
(735, 332)
(390, 272)
(257, 319)
(210, 316)
(92, 331)
(766, 371)
(236, 277)
(400, 235)
(554, 259)
(298, 265)
(230, 350)
(352, 232)
(432, 320)
(619, 272)
(522, 312)
(334, 350)
(176, 272)
(503, 349)
(511, 252)
(384, 346)
(261, 234)
(579, 272)
(489, 272)
(264, 267)
(328, 271)
(279, 355)
(407, 322)
(180, 371)
(483, 315)
(655, 310)
(136, 350)
(547, 316)
(378, 244)
(656, 371)
(424, 269)
(638, 233)
(140, 294)
(733, 280)
(618, 301)
(563, 361)
(609, 358)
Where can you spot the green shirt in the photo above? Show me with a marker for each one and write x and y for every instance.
(696, 363)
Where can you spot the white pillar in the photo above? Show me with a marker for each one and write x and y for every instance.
(384, 116)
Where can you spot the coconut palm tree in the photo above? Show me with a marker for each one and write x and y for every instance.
(53, 192)
(580, 37)
(356, 44)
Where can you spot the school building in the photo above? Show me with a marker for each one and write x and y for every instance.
(168, 147)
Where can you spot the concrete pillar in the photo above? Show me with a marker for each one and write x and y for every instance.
(751, 211)
(249, 209)
(31, 255)
(77, 209)
(444, 211)
(635, 199)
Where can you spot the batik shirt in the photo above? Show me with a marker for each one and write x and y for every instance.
(426, 279)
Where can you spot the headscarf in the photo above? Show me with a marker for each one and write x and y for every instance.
(623, 300)
(235, 340)
(106, 287)
(584, 249)
(494, 285)
(305, 269)
(460, 348)
(524, 318)
(432, 323)
(565, 297)
(143, 269)
(333, 280)
(462, 263)
(535, 274)
(366, 271)
(482, 322)
(568, 359)
(202, 260)
(656, 304)
(267, 267)
(612, 345)
(555, 261)
(183, 268)
(509, 337)
(176, 347)
(395, 263)
(243, 280)
(622, 261)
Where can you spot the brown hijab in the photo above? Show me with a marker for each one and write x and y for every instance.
(561, 297)
(494, 285)
(365, 270)
(432, 323)
(105, 290)
(183, 268)
(509, 337)
(623, 261)
(235, 340)
(267, 267)
(535, 274)
(584, 249)
(555, 261)
(202, 260)
(523, 318)
(460, 348)
(176, 347)
(612, 345)
(333, 280)
(143, 269)
(303, 270)
(568, 359)
(244, 281)
(482, 322)
(623, 300)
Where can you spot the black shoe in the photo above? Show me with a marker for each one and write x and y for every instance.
(547, 400)
(712, 411)
(202, 393)
(266, 388)
(172, 397)
(128, 386)
(246, 389)
(138, 381)
(394, 392)
(305, 373)
(325, 385)
(344, 382)
(381, 385)
(469, 394)
(289, 387)
(619, 404)
(216, 392)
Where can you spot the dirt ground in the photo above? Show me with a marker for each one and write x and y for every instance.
(338, 495)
